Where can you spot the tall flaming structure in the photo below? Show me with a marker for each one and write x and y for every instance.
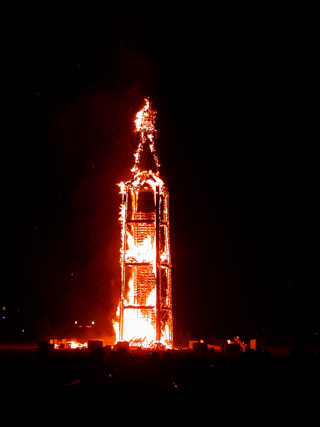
(145, 308)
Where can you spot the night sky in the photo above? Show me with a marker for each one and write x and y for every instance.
(236, 92)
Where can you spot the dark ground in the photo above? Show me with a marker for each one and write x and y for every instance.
(189, 383)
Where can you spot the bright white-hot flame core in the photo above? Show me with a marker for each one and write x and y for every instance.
(140, 114)
(145, 252)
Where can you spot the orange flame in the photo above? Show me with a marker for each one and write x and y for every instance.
(140, 114)
(143, 259)
(139, 324)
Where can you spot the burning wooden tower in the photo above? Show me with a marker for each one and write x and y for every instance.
(145, 308)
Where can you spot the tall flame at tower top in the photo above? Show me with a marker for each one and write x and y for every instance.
(145, 126)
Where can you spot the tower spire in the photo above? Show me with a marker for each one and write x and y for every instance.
(145, 126)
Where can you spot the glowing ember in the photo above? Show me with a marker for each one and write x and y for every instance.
(145, 308)
(77, 345)
(69, 344)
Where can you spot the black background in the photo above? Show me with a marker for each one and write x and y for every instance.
(236, 92)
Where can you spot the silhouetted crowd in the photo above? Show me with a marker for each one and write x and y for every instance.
(190, 379)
